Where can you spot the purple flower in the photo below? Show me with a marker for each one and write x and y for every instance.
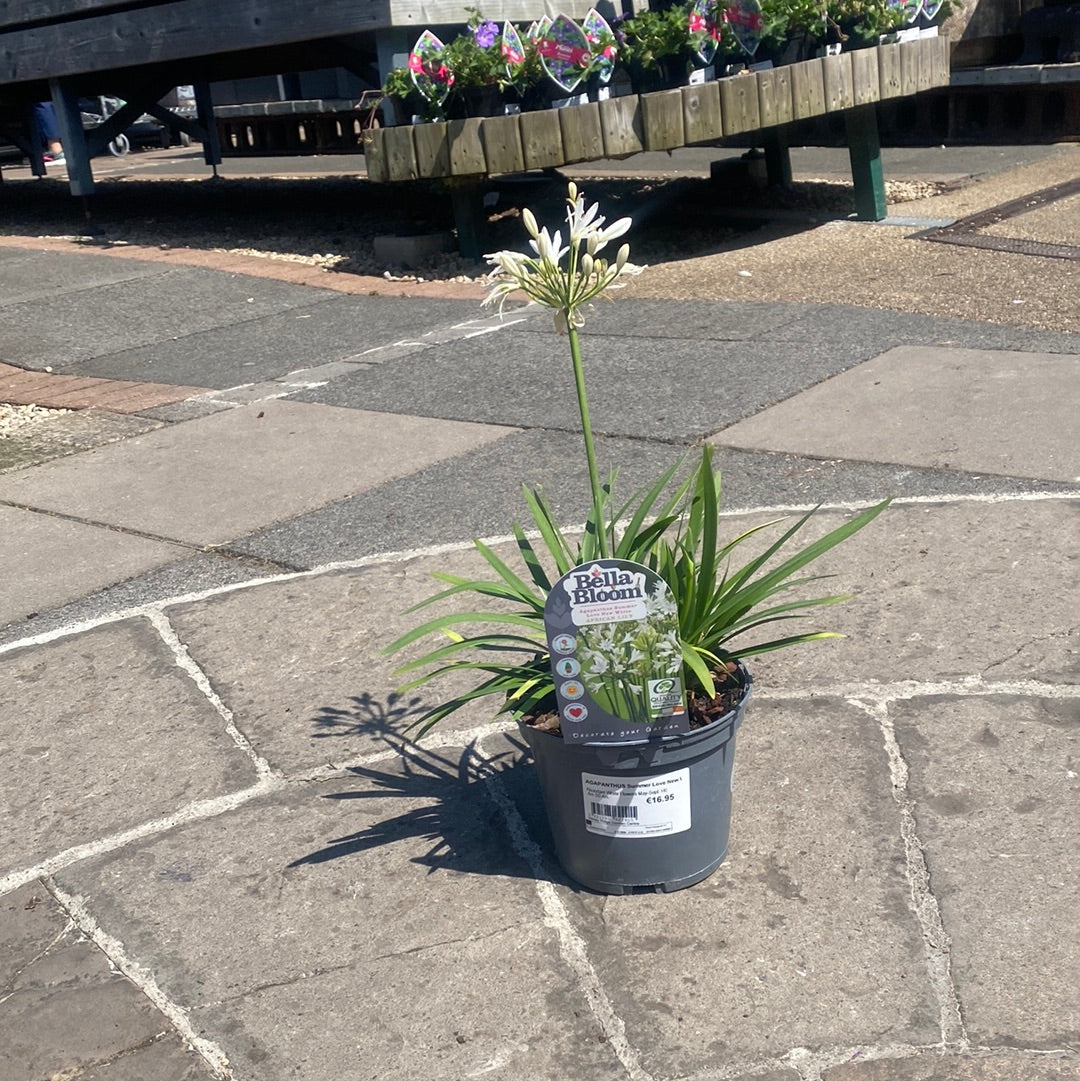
(486, 33)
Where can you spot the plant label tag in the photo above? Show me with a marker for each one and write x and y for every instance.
(564, 52)
(744, 18)
(612, 630)
(625, 807)
(430, 75)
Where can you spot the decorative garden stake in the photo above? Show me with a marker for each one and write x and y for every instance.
(744, 17)
(620, 667)
(431, 77)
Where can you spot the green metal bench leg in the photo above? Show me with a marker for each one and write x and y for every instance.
(470, 217)
(864, 150)
(204, 110)
(777, 158)
(72, 137)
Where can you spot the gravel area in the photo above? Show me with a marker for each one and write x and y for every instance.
(23, 419)
(331, 222)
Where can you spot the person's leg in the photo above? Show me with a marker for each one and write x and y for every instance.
(50, 129)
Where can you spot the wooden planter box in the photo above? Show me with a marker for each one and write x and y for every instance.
(665, 120)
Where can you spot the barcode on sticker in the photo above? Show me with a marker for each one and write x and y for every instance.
(611, 810)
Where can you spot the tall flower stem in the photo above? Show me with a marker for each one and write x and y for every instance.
(590, 450)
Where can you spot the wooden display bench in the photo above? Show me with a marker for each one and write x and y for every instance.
(851, 83)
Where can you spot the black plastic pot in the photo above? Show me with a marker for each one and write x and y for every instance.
(633, 816)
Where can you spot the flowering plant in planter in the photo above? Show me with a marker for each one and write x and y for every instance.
(640, 812)
(670, 526)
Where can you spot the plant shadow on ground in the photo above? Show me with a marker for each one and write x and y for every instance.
(334, 220)
(464, 802)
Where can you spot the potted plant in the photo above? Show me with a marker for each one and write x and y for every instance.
(655, 47)
(703, 616)
(479, 67)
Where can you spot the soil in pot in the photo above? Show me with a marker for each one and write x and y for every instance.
(701, 710)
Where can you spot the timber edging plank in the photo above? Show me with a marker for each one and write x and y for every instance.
(618, 127)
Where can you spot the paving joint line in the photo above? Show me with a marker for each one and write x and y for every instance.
(936, 939)
(387, 558)
(196, 811)
(113, 949)
(378, 354)
(186, 663)
(572, 947)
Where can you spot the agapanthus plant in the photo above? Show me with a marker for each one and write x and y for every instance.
(669, 526)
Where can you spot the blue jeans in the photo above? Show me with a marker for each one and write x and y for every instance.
(45, 115)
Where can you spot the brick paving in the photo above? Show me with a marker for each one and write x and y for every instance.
(21, 387)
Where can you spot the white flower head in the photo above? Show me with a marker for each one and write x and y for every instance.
(563, 277)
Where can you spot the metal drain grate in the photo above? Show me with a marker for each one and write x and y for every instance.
(966, 231)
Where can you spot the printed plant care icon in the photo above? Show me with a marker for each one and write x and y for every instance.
(575, 713)
(564, 643)
(571, 689)
(567, 666)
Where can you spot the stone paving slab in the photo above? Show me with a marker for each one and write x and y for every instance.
(663, 319)
(419, 949)
(845, 325)
(310, 698)
(191, 573)
(996, 794)
(805, 936)
(1003, 412)
(943, 592)
(936, 1066)
(27, 275)
(217, 478)
(330, 328)
(106, 734)
(688, 389)
(68, 1013)
(107, 319)
(479, 493)
(60, 560)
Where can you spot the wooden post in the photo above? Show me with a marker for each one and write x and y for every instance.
(466, 147)
(864, 150)
(432, 147)
(400, 153)
(739, 104)
(582, 134)
(865, 76)
(541, 139)
(702, 121)
(662, 120)
(501, 136)
(378, 170)
(620, 122)
(839, 91)
(807, 89)
(470, 217)
(774, 97)
(889, 85)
